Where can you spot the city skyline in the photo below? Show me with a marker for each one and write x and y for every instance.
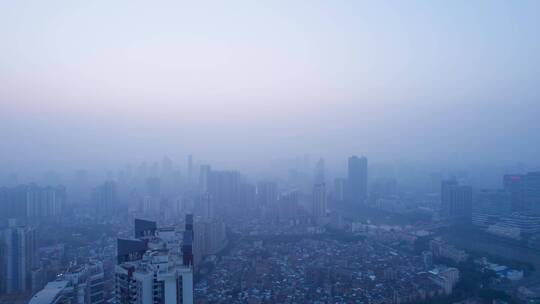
(232, 152)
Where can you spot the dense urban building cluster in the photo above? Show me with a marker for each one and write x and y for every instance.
(323, 271)
(158, 234)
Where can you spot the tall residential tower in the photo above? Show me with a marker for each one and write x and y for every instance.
(357, 179)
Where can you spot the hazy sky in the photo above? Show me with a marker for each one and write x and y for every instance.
(104, 82)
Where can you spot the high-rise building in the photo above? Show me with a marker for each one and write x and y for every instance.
(247, 195)
(266, 193)
(223, 186)
(445, 277)
(144, 228)
(206, 206)
(525, 191)
(490, 205)
(156, 268)
(427, 258)
(105, 198)
(340, 186)
(45, 201)
(446, 186)
(209, 238)
(357, 179)
(55, 292)
(79, 284)
(32, 201)
(287, 205)
(531, 195)
(513, 184)
(319, 176)
(19, 246)
(167, 166)
(516, 225)
(319, 201)
(204, 175)
(190, 170)
(456, 201)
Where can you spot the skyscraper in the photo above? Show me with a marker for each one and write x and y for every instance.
(525, 191)
(86, 283)
(19, 245)
(456, 201)
(105, 197)
(247, 195)
(79, 284)
(340, 186)
(319, 176)
(56, 292)
(190, 170)
(32, 201)
(206, 206)
(223, 186)
(357, 179)
(513, 184)
(490, 205)
(287, 206)
(267, 193)
(203, 178)
(319, 201)
(45, 201)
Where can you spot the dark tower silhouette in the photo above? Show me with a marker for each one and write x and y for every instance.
(187, 244)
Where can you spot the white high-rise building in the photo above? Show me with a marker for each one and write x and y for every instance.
(162, 274)
(156, 278)
(80, 284)
(55, 292)
(86, 283)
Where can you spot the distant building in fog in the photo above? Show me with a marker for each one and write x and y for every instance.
(287, 206)
(223, 186)
(105, 198)
(206, 206)
(209, 238)
(456, 201)
(489, 206)
(525, 191)
(340, 186)
(153, 187)
(19, 258)
(357, 179)
(319, 176)
(319, 201)
(267, 193)
(32, 201)
(190, 170)
(204, 175)
(247, 195)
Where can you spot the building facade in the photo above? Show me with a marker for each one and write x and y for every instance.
(357, 179)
